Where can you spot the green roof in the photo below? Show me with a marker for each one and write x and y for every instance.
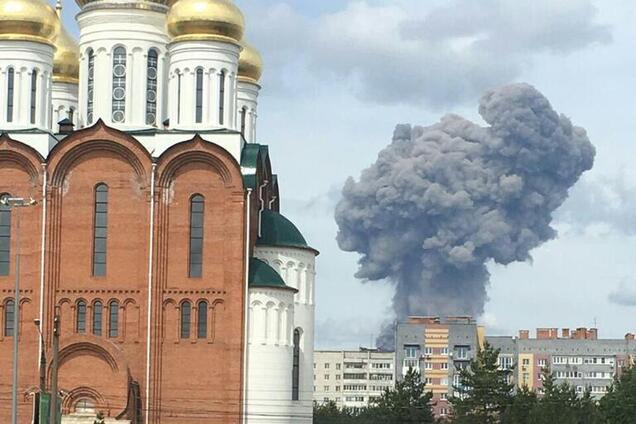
(263, 275)
(276, 230)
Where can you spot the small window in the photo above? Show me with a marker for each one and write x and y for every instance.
(178, 98)
(9, 317)
(119, 85)
(81, 317)
(197, 207)
(71, 114)
(243, 116)
(5, 237)
(113, 319)
(98, 311)
(186, 321)
(199, 97)
(296, 366)
(151, 87)
(100, 238)
(91, 87)
(202, 320)
(34, 93)
(222, 98)
(10, 93)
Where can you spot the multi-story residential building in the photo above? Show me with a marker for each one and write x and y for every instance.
(438, 348)
(352, 378)
(577, 357)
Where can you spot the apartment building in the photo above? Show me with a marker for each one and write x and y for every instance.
(352, 378)
(438, 348)
(577, 357)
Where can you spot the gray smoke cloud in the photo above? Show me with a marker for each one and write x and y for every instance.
(442, 201)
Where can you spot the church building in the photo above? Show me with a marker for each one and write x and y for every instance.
(155, 235)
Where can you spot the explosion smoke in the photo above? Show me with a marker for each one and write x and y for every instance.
(442, 201)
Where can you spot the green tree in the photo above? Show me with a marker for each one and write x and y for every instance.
(619, 404)
(408, 403)
(523, 403)
(484, 393)
(329, 413)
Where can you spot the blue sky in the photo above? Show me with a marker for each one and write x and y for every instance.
(341, 74)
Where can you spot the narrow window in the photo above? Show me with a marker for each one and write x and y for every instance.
(119, 85)
(98, 311)
(222, 97)
(5, 237)
(186, 312)
(197, 206)
(71, 114)
(34, 92)
(243, 114)
(202, 320)
(91, 86)
(199, 97)
(296, 367)
(179, 98)
(101, 230)
(81, 317)
(151, 87)
(10, 93)
(113, 319)
(9, 317)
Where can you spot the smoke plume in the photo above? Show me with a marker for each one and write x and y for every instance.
(442, 201)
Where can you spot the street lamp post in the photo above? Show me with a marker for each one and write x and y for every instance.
(16, 203)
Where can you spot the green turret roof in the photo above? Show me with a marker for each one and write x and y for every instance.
(263, 275)
(276, 230)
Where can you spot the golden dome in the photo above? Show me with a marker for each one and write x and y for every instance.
(205, 20)
(250, 63)
(28, 20)
(66, 59)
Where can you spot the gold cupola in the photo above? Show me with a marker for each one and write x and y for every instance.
(205, 20)
(28, 20)
(250, 64)
(66, 59)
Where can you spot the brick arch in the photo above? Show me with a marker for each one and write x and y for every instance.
(25, 157)
(98, 138)
(201, 151)
(84, 392)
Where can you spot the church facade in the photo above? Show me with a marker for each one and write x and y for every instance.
(183, 294)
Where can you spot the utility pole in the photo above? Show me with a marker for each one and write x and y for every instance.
(15, 204)
(54, 370)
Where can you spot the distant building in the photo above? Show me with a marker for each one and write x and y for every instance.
(577, 357)
(438, 348)
(352, 378)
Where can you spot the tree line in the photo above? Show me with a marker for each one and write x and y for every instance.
(485, 395)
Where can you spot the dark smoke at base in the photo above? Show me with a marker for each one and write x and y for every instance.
(442, 201)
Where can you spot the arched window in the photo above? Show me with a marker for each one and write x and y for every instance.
(34, 92)
(98, 312)
(91, 87)
(199, 96)
(10, 93)
(5, 237)
(119, 85)
(179, 98)
(222, 97)
(243, 116)
(81, 317)
(197, 206)
(71, 114)
(151, 87)
(296, 367)
(9, 318)
(100, 237)
(202, 320)
(113, 319)
(186, 319)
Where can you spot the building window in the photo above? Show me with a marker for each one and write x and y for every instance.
(222, 98)
(296, 366)
(5, 237)
(98, 311)
(197, 206)
(113, 319)
(34, 92)
(178, 98)
(243, 116)
(100, 238)
(9, 317)
(338, 366)
(10, 93)
(71, 114)
(91, 86)
(199, 97)
(81, 317)
(119, 85)
(202, 320)
(186, 313)
(151, 87)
